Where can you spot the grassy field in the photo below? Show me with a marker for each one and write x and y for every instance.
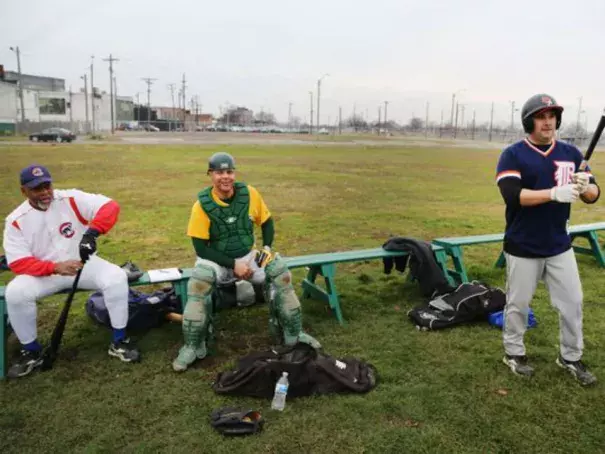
(445, 392)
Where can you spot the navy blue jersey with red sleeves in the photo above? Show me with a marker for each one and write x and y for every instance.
(541, 230)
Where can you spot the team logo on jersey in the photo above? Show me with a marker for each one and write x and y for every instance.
(66, 229)
(564, 172)
(547, 101)
(37, 172)
(231, 220)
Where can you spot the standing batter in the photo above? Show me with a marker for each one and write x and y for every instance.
(47, 239)
(539, 180)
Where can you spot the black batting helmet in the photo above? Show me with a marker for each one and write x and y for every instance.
(536, 104)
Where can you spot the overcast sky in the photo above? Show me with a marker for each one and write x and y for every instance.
(267, 53)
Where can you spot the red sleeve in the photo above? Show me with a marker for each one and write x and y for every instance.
(32, 266)
(106, 217)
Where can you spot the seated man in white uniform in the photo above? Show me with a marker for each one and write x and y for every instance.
(47, 239)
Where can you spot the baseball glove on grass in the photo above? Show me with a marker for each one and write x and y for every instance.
(236, 421)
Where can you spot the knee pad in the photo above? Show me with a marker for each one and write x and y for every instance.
(278, 273)
(202, 281)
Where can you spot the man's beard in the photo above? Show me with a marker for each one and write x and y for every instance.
(42, 206)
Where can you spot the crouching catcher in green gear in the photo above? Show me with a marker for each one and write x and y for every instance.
(221, 229)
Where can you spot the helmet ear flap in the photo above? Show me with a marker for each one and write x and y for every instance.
(528, 125)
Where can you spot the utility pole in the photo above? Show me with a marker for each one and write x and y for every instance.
(289, 115)
(115, 100)
(110, 59)
(311, 113)
(473, 133)
(71, 110)
(426, 121)
(512, 116)
(379, 117)
(183, 93)
(462, 109)
(18, 53)
(86, 102)
(339, 120)
(149, 82)
(441, 125)
(386, 103)
(318, 123)
(173, 114)
(579, 112)
(452, 111)
(491, 122)
(92, 92)
(456, 121)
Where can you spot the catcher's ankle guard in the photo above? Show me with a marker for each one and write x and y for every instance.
(236, 421)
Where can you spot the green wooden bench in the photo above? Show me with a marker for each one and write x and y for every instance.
(323, 265)
(453, 247)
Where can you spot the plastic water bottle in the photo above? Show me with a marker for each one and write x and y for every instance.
(281, 390)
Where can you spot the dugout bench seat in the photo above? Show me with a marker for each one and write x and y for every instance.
(453, 247)
(323, 265)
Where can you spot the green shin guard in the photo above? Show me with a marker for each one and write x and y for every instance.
(285, 305)
(196, 318)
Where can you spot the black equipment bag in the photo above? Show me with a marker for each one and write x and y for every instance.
(145, 311)
(309, 372)
(466, 304)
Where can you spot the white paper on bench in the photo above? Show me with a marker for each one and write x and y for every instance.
(166, 274)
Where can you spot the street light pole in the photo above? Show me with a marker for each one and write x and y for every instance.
(18, 53)
(318, 98)
(452, 111)
(386, 131)
(579, 113)
(86, 102)
(311, 113)
(92, 93)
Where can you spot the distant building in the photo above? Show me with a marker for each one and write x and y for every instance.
(35, 82)
(179, 115)
(8, 107)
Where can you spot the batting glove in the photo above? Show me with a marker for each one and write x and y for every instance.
(565, 194)
(582, 179)
(88, 244)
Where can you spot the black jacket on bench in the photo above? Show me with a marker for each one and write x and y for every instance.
(423, 266)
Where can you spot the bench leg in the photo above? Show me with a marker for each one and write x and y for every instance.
(311, 275)
(180, 289)
(501, 262)
(595, 248)
(330, 295)
(459, 272)
(441, 257)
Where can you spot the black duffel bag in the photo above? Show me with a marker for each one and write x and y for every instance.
(309, 372)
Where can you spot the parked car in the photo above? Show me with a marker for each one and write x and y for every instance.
(149, 127)
(54, 135)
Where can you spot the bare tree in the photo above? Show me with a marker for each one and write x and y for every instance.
(265, 118)
(356, 122)
(416, 124)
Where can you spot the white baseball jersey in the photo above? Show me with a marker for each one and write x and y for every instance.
(53, 234)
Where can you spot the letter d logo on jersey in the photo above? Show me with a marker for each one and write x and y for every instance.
(66, 230)
(564, 172)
